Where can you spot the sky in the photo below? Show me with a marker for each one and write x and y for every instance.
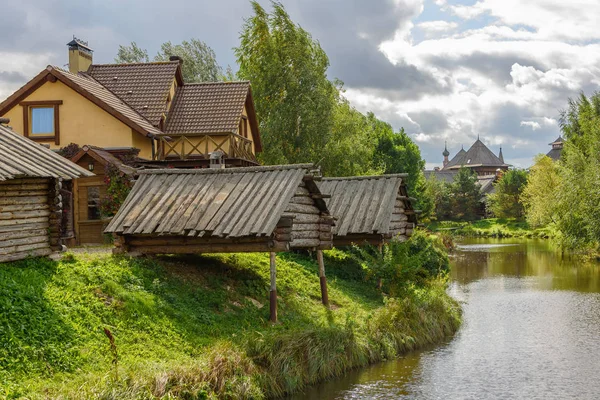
(444, 70)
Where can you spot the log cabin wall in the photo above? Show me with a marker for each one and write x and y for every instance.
(311, 227)
(29, 208)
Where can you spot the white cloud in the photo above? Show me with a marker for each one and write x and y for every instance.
(437, 26)
(534, 125)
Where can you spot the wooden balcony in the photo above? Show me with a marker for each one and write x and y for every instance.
(178, 148)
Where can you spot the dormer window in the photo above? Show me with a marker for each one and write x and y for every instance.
(243, 129)
(41, 120)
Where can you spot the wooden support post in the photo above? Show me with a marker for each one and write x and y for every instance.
(273, 300)
(324, 295)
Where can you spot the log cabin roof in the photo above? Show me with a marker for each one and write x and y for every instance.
(364, 204)
(228, 203)
(22, 157)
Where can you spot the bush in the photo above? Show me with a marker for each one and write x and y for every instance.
(401, 264)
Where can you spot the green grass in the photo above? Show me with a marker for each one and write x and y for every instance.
(492, 227)
(197, 327)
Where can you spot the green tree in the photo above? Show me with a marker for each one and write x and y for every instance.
(199, 60)
(577, 211)
(131, 54)
(396, 153)
(350, 148)
(294, 99)
(438, 194)
(540, 194)
(464, 195)
(506, 202)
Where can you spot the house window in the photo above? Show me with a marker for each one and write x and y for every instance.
(41, 120)
(244, 126)
(93, 200)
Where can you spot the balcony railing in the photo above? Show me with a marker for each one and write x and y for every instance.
(193, 147)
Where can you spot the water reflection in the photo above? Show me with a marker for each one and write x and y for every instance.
(486, 258)
(531, 331)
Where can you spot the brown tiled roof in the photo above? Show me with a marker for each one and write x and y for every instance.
(143, 86)
(214, 107)
(99, 92)
(88, 88)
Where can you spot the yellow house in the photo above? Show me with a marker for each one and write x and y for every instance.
(146, 108)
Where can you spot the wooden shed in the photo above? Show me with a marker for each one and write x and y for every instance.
(252, 209)
(31, 207)
(255, 209)
(369, 209)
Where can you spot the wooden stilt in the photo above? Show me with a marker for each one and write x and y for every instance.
(324, 295)
(273, 299)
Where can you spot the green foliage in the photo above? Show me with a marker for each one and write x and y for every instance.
(464, 195)
(491, 228)
(400, 265)
(197, 327)
(567, 193)
(199, 60)
(350, 150)
(397, 153)
(70, 150)
(294, 99)
(304, 116)
(119, 185)
(438, 194)
(131, 54)
(541, 193)
(506, 201)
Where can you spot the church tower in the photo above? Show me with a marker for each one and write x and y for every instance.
(446, 153)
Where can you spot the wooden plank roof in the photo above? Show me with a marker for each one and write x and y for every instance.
(22, 157)
(363, 204)
(229, 203)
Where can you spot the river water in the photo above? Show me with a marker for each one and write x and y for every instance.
(531, 330)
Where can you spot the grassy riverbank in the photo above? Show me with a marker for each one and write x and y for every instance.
(196, 327)
(491, 228)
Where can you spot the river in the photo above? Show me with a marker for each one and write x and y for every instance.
(531, 330)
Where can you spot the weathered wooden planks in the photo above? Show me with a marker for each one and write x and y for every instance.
(371, 209)
(231, 210)
(21, 157)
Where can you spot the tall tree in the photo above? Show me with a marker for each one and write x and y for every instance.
(293, 97)
(577, 210)
(396, 153)
(350, 148)
(541, 193)
(131, 54)
(465, 195)
(199, 60)
(506, 201)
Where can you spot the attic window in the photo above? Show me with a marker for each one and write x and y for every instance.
(243, 129)
(41, 120)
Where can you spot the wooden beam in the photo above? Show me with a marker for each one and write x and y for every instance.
(323, 279)
(273, 291)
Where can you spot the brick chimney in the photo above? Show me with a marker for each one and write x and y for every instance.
(80, 55)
